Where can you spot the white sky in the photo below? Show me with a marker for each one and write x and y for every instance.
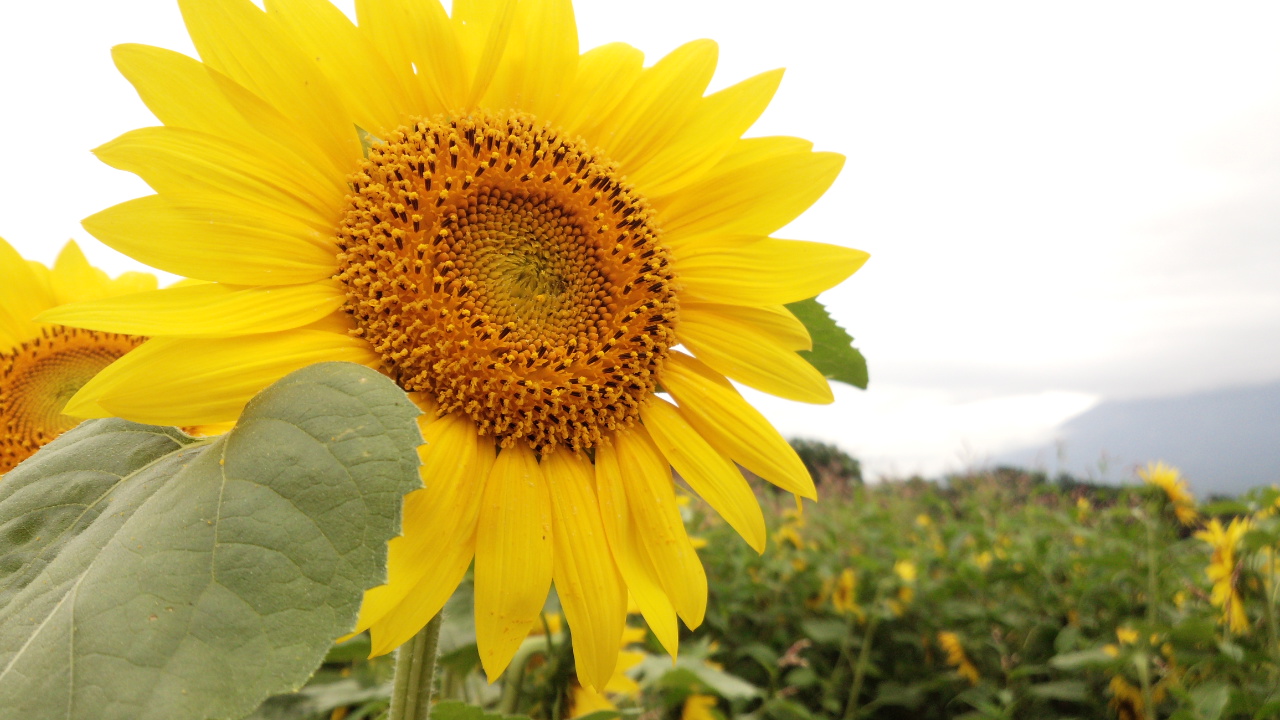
(1063, 202)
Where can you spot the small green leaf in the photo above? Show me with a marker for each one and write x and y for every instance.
(833, 352)
(158, 576)
(454, 710)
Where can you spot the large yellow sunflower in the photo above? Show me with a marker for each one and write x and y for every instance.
(537, 244)
(42, 365)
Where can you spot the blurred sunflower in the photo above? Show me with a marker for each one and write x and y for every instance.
(43, 365)
(956, 657)
(520, 235)
(1223, 570)
(1169, 480)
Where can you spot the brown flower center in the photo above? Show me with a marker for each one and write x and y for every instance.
(508, 272)
(39, 376)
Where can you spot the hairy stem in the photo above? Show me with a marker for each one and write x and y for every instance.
(415, 673)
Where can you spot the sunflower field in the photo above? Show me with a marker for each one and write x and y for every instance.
(990, 595)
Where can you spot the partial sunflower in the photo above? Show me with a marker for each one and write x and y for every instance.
(532, 241)
(43, 365)
(1168, 479)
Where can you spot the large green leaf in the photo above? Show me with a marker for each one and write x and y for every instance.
(145, 574)
(833, 352)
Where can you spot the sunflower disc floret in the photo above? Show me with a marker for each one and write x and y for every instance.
(510, 274)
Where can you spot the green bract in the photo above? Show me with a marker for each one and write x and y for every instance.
(148, 574)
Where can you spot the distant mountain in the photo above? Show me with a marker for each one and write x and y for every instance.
(1224, 441)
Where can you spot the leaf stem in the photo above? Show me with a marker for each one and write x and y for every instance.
(415, 674)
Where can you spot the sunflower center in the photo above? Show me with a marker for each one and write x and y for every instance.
(510, 273)
(40, 376)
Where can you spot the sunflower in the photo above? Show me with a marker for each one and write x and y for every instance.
(1169, 480)
(42, 365)
(562, 256)
(1224, 570)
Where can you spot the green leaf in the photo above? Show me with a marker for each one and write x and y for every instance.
(454, 710)
(1210, 699)
(1068, 690)
(833, 352)
(825, 631)
(145, 574)
(1081, 659)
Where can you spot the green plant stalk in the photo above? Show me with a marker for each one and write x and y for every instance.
(860, 670)
(1153, 581)
(1144, 676)
(1269, 608)
(415, 673)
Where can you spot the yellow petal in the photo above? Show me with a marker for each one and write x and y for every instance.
(766, 272)
(722, 416)
(484, 28)
(182, 161)
(656, 107)
(372, 94)
(713, 476)
(214, 238)
(753, 358)
(776, 321)
(513, 556)
(235, 38)
(753, 198)
(540, 60)
(587, 580)
(207, 310)
(624, 541)
(418, 35)
(22, 297)
(426, 563)
(176, 381)
(132, 282)
(74, 279)
(646, 479)
(605, 75)
(718, 122)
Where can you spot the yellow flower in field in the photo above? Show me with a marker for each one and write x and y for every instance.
(520, 235)
(1169, 480)
(905, 570)
(956, 657)
(788, 533)
(1127, 636)
(1126, 699)
(844, 593)
(43, 365)
(699, 707)
(1223, 571)
(983, 560)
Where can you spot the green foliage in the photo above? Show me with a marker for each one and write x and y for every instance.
(833, 352)
(148, 574)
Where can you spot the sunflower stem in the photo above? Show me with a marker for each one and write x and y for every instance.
(415, 674)
(851, 709)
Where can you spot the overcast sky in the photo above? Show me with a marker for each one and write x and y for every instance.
(1063, 202)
